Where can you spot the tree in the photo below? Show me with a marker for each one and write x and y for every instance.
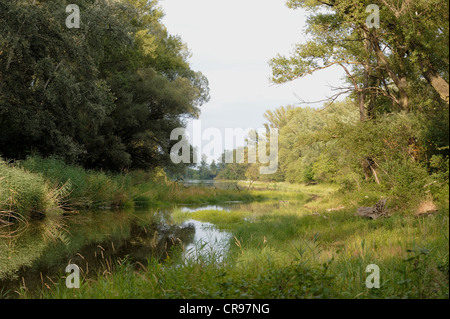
(379, 63)
(402, 66)
(279, 117)
(204, 168)
(52, 98)
(106, 95)
(213, 168)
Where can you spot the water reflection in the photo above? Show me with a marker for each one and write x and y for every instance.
(94, 241)
(209, 207)
(209, 243)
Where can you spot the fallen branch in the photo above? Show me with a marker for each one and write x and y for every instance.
(375, 212)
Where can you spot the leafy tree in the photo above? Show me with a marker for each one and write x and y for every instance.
(380, 64)
(51, 96)
(106, 95)
(213, 168)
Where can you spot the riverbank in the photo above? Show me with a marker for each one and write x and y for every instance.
(39, 187)
(285, 240)
(294, 248)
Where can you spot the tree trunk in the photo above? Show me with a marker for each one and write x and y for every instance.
(435, 79)
(362, 105)
(361, 93)
(399, 81)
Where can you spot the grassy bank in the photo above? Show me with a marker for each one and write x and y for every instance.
(295, 249)
(38, 186)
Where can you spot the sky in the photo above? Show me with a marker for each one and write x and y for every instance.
(231, 44)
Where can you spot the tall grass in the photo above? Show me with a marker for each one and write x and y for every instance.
(26, 193)
(87, 188)
(157, 193)
(38, 184)
(221, 219)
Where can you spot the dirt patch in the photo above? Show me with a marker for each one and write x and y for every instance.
(426, 208)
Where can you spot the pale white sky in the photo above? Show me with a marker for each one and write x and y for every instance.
(231, 43)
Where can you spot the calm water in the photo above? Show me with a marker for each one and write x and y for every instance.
(96, 241)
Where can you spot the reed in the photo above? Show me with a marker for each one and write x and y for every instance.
(86, 188)
(24, 194)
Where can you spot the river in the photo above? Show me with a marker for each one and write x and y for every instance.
(96, 241)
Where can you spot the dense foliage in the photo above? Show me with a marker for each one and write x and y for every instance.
(105, 95)
(392, 131)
